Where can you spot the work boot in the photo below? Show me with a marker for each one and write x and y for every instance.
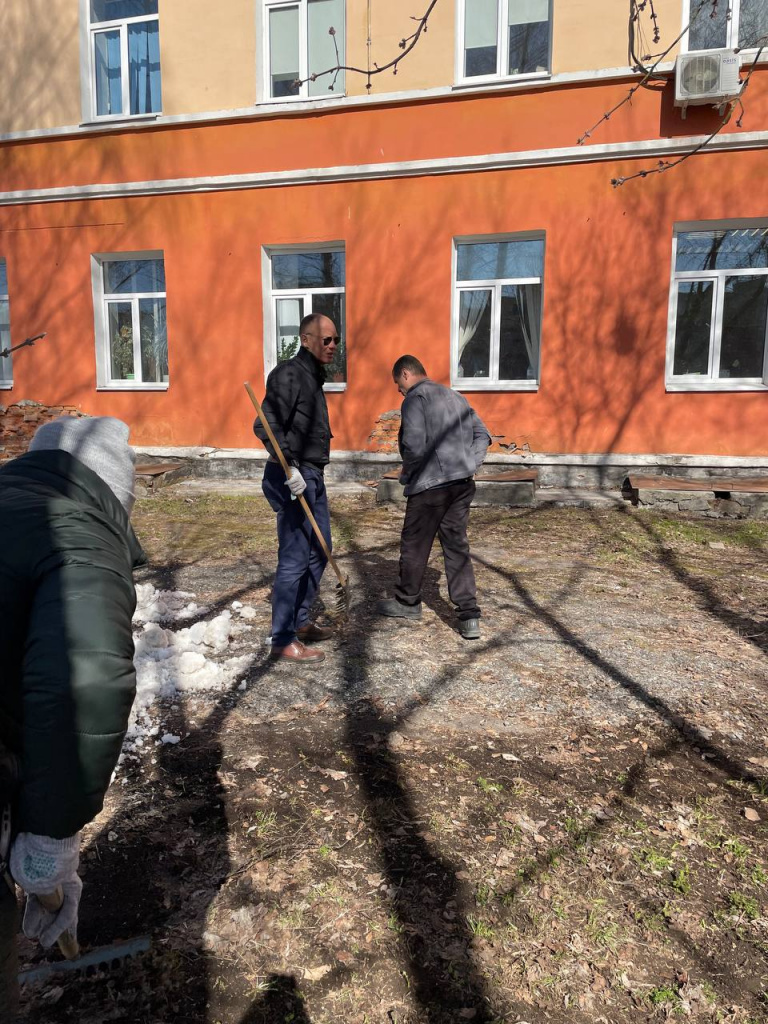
(397, 610)
(297, 654)
(470, 629)
(314, 634)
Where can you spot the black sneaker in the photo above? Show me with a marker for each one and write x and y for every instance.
(397, 610)
(470, 629)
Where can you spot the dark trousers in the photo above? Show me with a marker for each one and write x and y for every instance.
(300, 559)
(9, 959)
(443, 511)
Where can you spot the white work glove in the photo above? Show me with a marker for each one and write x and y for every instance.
(296, 483)
(40, 865)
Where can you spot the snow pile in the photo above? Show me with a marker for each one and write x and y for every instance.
(170, 661)
(164, 605)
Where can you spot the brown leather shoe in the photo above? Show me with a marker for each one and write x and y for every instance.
(296, 653)
(313, 634)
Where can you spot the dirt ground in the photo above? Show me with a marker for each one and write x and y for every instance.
(562, 821)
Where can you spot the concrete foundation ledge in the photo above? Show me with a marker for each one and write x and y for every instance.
(586, 471)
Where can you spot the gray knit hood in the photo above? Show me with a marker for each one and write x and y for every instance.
(100, 443)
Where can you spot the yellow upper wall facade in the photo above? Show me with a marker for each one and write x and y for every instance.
(208, 55)
(39, 64)
(214, 61)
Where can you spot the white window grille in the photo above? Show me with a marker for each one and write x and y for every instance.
(299, 280)
(300, 40)
(718, 311)
(123, 58)
(497, 308)
(131, 333)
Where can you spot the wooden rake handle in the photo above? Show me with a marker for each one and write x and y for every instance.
(52, 902)
(287, 471)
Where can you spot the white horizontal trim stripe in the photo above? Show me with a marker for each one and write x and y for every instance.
(637, 460)
(393, 169)
(271, 108)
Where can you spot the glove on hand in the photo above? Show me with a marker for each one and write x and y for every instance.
(296, 483)
(40, 865)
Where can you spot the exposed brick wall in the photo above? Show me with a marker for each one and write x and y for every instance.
(383, 437)
(503, 445)
(384, 434)
(18, 422)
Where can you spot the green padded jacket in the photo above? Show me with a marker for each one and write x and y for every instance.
(67, 681)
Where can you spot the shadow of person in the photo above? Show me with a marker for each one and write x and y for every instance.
(281, 1002)
(432, 598)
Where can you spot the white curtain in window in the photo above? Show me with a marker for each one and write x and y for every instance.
(480, 23)
(471, 313)
(323, 15)
(530, 320)
(289, 315)
(144, 65)
(6, 372)
(284, 42)
(528, 12)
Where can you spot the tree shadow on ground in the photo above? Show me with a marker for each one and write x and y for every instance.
(425, 898)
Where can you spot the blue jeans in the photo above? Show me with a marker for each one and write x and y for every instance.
(300, 559)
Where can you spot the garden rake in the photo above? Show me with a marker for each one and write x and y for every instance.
(342, 587)
(103, 957)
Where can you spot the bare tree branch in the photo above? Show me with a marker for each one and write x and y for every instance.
(22, 344)
(406, 45)
(667, 165)
(649, 73)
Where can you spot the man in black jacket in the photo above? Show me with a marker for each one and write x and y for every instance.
(67, 680)
(298, 415)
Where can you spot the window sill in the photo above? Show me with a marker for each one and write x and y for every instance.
(501, 80)
(715, 386)
(128, 386)
(335, 386)
(507, 385)
(282, 101)
(6, 385)
(118, 119)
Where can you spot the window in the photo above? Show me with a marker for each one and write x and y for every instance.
(124, 55)
(298, 282)
(719, 309)
(737, 23)
(301, 40)
(501, 38)
(131, 336)
(6, 368)
(497, 313)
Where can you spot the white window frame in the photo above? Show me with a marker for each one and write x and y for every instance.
(491, 383)
(732, 30)
(88, 65)
(502, 46)
(694, 382)
(6, 383)
(104, 381)
(266, 81)
(271, 296)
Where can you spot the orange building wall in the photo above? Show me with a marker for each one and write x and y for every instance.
(605, 306)
(535, 119)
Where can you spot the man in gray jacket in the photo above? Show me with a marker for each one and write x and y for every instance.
(442, 444)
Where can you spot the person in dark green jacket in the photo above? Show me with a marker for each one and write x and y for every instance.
(67, 679)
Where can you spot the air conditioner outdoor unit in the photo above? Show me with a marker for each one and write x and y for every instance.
(707, 77)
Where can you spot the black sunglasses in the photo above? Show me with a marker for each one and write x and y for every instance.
(326, 341)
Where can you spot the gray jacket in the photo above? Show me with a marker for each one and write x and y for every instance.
(441, 437)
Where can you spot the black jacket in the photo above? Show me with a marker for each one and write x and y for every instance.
(67, 680)
(295, 407)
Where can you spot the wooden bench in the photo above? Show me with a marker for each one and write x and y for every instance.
(152, 474)
(731, 496)
(508, 487)
(715, 485)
